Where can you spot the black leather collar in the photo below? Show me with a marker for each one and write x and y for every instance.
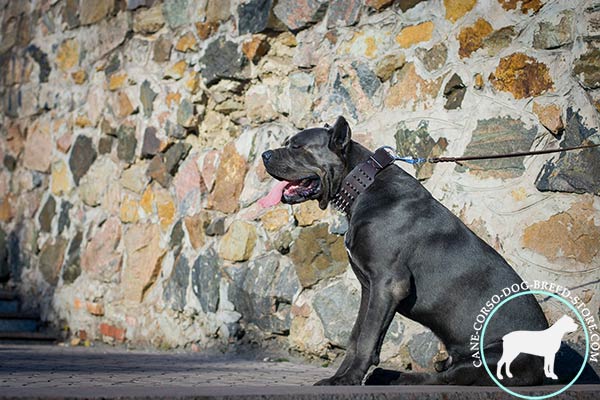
(361, 177)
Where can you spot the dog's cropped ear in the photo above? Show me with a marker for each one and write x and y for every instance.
(340, 134)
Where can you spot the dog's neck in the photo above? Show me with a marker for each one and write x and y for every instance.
(356, 154)
(359, 173)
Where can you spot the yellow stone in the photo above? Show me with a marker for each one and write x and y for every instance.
(308, 213)
(165, 208)
(116, 81)
(176, 70)
(129, 209)
(173, 98)
(415, 34)
(186, 43)
(79, 77)
(192, 83)
(471, 37)
(238, 242)
(455, 9)
(411, 90)
(82, 121)
(147, 201)
(275, 219)
(519, 194)
(570, 234)
(67, 55)
(60, 182)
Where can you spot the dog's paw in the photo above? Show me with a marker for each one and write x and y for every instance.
(342, 380)
(553, 376)
(500, 377)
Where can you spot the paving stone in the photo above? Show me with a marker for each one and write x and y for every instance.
(161, 51)
(176, 12)
(587, 68)
(72, 266)
(151, 144)
(521, 75)
(64, 221)
(418, 143)
(148, 21)
(238, 242)
(434, 58)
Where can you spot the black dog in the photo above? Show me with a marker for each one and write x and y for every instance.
(411, 256)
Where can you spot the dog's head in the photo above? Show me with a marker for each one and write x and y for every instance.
(567, 324)
(312, 162)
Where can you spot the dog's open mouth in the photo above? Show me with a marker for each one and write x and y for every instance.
(292, 192)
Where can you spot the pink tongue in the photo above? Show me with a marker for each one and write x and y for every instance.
(274, 196)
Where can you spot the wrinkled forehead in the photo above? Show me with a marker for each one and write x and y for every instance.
(311, 136)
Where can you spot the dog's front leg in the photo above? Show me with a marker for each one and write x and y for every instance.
(383, 298)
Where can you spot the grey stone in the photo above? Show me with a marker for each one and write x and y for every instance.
(297, 16)
(162, 49)
(126, 144)
(176, 288)
(343, 12)
(113, 65)
(283, 241)
(574, 171)
(405, 5)
(71, 13)
(47, 214)
(51, 259)
(454, 92)
(175, 155)
(423, 348)
(107, 129)
(16, 261)
(151, 144)
(135, 4)
(177, 235)
(206, 277)
(551, 36)
(253, 16)
(500, 39)
(4, 269)
(263, 291)
(216, 227)
(147, 96)
(395, 333)
(587, 69)
(342, 97)
(157, 170)
(434, 58)
(337, 306)
(72, 267)
(176, 12)
(186, 114)
(82, 157)
(63, 219)
(10, 162)
(418, 143)
(222, 60)
(41, 59)
(175, 130)
(105, 144)
(367, 78)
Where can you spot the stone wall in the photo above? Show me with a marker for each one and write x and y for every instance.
(131, 133)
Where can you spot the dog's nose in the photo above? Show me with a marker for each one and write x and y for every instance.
(266, 156)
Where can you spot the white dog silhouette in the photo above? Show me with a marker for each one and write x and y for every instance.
(539, 343)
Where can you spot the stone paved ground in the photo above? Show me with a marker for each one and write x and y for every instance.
(105, 372)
